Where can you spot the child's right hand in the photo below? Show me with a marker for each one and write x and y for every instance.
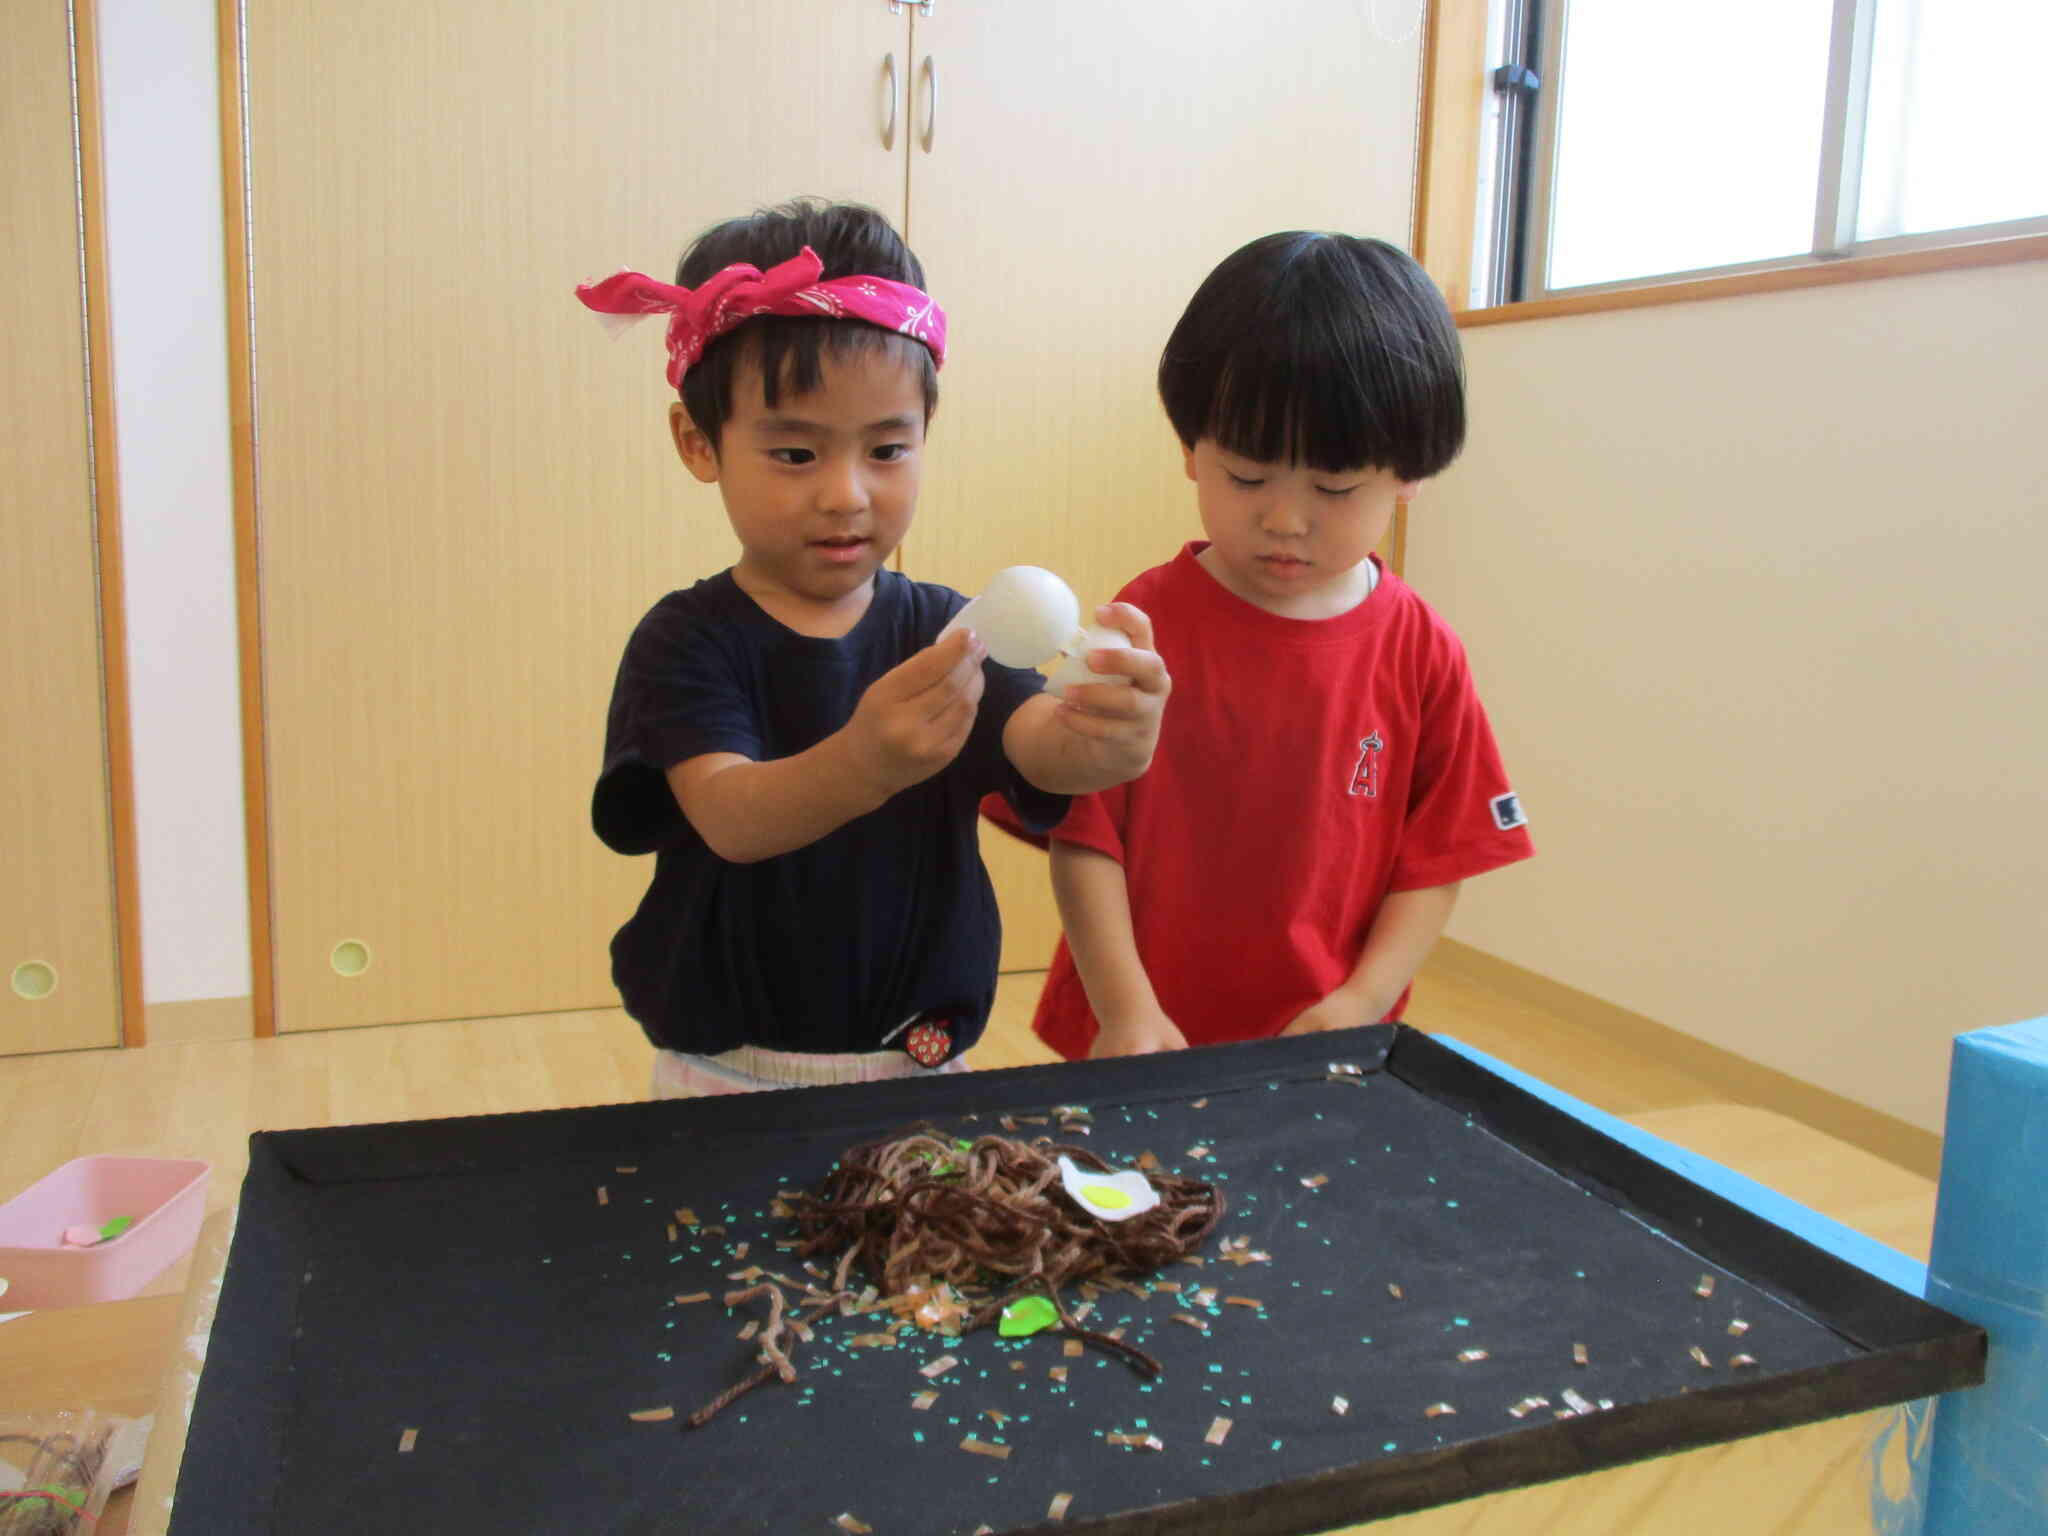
(915, 718)
(1139, 1035)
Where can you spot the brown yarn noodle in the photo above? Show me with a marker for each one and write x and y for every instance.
(916, 1210)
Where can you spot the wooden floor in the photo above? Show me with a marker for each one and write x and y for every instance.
(203, 1098)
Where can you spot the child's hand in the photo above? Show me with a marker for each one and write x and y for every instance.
(1340, 1010)
(915, 718)
(1141, 1035)
(1119, 723)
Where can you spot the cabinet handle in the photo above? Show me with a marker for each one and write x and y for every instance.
(889, 128)
(931, 111)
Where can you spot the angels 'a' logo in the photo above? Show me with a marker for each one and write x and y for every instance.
(1365, 778)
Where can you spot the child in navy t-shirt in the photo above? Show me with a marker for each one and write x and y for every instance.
(790, 738)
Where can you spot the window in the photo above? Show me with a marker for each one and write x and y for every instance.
(1638, 140)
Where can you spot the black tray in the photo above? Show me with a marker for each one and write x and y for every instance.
(464, 1280)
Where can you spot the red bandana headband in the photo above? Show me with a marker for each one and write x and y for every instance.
(728, 298)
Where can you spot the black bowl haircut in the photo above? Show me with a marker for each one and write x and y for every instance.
(852, 241)
(1319, 349)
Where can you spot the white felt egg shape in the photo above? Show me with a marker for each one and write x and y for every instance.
(1110, 1196)
(1024, 615)
(1073, 666)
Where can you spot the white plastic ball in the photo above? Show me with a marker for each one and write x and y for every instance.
(1073, 669)
(1024, 615)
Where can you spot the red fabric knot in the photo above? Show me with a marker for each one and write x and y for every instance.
(734, 295)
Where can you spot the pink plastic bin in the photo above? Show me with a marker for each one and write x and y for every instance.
(165, 1195)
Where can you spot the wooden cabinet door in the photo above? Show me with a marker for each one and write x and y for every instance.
(59, 972)
(466, 495)
(1085, 166)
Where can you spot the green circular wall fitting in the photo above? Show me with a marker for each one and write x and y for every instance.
(34, 980)
(351, 957)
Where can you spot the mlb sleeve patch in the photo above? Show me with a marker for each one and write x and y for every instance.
(1507, 811)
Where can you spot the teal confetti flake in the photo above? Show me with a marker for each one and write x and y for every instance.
(1461, 1322)
(1452, 1204)
(1388, 1446)
(1278, 1443)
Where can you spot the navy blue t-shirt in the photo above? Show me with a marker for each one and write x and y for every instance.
(831, 946)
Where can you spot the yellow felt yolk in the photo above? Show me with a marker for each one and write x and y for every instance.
(1108, 1196)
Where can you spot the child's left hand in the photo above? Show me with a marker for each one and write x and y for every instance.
(1118, 723)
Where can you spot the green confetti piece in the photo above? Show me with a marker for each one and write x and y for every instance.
(1026, 1316)
(116, 1227)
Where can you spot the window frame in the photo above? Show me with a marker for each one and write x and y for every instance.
(1455, 89)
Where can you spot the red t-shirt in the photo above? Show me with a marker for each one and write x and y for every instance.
(1305, 770)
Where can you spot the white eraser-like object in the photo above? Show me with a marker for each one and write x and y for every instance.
(1024, 615)
(1074, 670)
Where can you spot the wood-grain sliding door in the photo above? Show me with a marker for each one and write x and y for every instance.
(60, 979)
(465, 495)
(1087, 166)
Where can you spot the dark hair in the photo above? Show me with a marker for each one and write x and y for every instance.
(1319, 349)
(851, 240)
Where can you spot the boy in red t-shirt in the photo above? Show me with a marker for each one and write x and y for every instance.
(1326, 777)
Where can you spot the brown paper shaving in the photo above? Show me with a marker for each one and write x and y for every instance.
(1137, 1442)
(407, 1441)
(1218, 1430)
(937, 1368)
(651, 1415)
(983, 1448)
